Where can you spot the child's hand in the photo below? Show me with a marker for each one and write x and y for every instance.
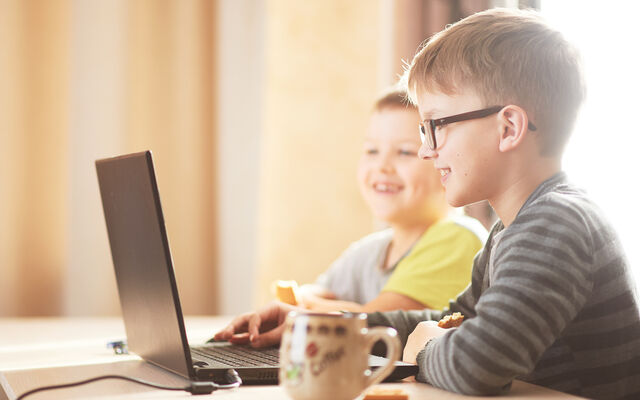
(424, 332)
(261, 328)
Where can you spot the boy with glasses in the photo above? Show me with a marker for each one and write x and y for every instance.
(551, 300)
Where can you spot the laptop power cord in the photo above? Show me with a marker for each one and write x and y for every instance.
(193, 387)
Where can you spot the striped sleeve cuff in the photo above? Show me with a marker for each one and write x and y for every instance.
(422, 363)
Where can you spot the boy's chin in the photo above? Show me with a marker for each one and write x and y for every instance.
(383, 215)
(392, 218)
(458, 201)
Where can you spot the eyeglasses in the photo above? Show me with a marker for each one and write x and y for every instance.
(428, 127)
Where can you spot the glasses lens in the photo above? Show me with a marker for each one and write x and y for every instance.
(431, 140)
(422, 133)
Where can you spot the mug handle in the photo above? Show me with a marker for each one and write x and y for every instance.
(390, 338)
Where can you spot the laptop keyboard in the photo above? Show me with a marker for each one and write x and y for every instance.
(236, 356)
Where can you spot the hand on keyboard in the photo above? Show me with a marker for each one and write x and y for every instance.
(261, 328)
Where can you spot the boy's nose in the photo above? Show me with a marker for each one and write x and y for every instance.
(426, 153)
(386, 163)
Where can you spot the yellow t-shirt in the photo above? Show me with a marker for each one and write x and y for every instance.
(438, 267)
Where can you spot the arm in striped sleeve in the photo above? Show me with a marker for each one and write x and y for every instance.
(405, 321)
(541, 281)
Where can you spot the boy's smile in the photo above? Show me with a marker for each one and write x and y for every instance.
(444, 173)
(394, 182)
(387, 187)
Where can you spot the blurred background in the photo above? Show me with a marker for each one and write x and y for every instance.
(255, 112)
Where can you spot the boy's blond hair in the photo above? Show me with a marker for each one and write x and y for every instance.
(395, 97)
(507, 56)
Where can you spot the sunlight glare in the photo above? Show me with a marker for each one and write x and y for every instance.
(601, 156)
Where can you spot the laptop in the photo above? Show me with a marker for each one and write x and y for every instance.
(147, 286)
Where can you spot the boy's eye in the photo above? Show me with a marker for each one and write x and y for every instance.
(407, 153)
(371, 151)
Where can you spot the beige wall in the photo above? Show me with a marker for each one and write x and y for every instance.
(34, 121)
(321, 78)
(240, 91)
(87, 79)
(97, 89)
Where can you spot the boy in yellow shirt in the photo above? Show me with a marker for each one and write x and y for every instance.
(423, 259)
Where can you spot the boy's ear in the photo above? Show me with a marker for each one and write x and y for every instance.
(513, 127)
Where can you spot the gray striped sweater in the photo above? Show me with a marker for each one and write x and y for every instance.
(555, 307)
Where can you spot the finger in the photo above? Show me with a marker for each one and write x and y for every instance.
(269, 338)
(240, 338)
(266, 318)
(254, 326)
(224, 334)
(237, 325)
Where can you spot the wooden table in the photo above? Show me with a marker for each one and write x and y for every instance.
(44, 351)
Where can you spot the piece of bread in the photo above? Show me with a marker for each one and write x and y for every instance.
(451, 321)
(287, 292)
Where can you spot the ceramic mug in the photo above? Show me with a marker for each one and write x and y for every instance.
(325, 356)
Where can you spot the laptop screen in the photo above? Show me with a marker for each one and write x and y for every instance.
(142, 260)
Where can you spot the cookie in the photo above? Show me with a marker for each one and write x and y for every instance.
(451, 321)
